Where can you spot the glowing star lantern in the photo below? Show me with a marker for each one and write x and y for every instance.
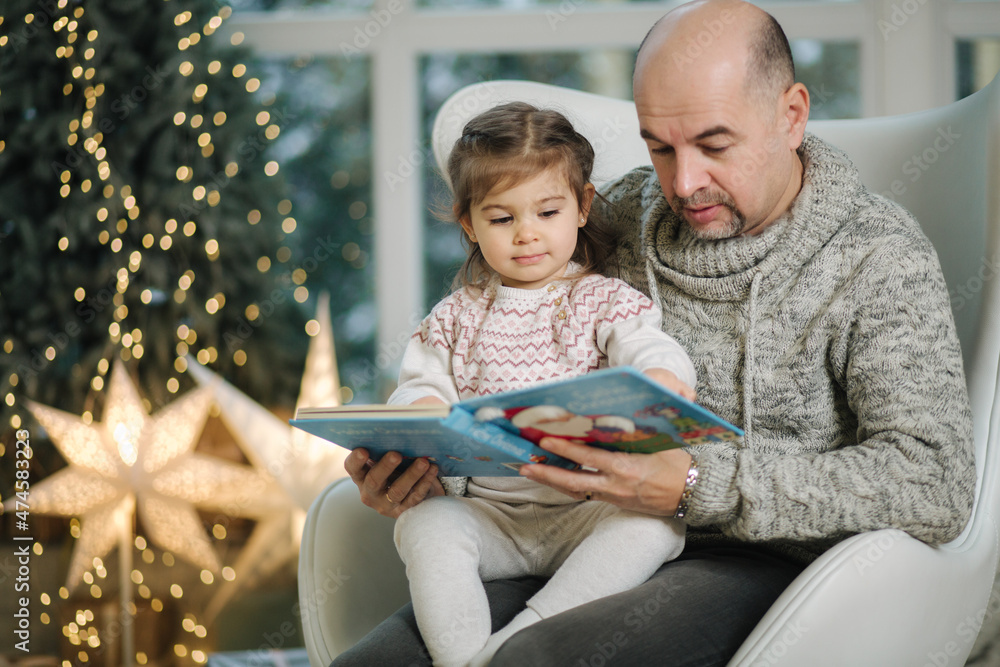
(302, 464)
(134, 461)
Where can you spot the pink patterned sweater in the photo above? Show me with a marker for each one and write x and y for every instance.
(478, 342)
(475, 342)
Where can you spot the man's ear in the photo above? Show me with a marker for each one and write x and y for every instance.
(589, 191)
(795, 112)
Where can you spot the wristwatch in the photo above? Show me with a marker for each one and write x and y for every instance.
(689, 482)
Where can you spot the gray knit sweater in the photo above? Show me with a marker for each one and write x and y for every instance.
(829, 337)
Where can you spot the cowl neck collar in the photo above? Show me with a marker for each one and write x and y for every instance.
(723, 270)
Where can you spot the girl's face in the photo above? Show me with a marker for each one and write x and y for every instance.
(527, 233)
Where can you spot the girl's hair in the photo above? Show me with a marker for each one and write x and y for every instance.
(507, 145)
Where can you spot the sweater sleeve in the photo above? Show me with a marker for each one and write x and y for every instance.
(629, 334)
(426, 366)
(426, 371)
(912, 467)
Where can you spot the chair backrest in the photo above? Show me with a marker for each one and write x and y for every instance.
(942, 164)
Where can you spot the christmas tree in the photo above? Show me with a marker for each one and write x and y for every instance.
(140, 215)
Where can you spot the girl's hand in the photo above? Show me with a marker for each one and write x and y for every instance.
(669, 380)
(428, 400)
(388, 491)
(649, 483)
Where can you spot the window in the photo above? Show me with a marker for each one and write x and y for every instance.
(977, 62)
(858, 58)
(324, 148)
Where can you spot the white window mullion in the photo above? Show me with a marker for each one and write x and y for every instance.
(912, 43)
(396, 192)
(872, 72)
(299, 33)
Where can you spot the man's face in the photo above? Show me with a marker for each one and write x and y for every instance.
(723, 159)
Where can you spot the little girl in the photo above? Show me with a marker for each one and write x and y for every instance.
(532, 308)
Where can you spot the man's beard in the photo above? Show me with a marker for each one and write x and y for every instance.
(737, 221)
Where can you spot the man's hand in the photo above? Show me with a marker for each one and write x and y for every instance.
(385, 494)
(649, 483)
(671, 382)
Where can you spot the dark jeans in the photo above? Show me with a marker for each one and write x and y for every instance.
(694, 612)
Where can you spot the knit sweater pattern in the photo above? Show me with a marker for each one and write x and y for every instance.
(829, 338)
(478, 342)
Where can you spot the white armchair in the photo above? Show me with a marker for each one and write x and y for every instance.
(882, 598)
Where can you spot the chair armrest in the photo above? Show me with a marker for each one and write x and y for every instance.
(350, 576)
(880, 598)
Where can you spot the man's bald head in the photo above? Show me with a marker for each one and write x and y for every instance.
(721, 115)
(718, 29)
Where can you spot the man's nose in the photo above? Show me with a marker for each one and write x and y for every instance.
(690, 175)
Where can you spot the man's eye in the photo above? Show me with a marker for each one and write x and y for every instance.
(716, 150)
(662, 150)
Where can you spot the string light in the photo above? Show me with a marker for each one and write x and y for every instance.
(81, 48)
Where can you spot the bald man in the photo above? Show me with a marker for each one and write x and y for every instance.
(818, 319)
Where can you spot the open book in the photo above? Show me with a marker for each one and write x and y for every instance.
(492, 436)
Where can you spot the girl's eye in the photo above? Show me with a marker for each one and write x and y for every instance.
(501, 221)
(549, 214)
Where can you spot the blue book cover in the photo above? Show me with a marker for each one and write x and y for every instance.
(492, 436)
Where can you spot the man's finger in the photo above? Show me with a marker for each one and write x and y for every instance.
(590, 457)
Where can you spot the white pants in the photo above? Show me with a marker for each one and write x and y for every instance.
(451, 545)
